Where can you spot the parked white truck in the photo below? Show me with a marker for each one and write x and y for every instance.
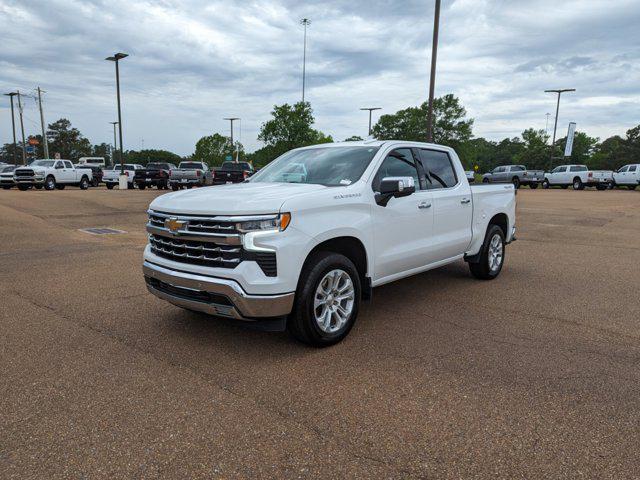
(305, 252)
(627, 176)
(51, 174)
(579, 176)
(111, 176)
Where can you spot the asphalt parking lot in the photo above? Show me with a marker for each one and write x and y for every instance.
(533, 375)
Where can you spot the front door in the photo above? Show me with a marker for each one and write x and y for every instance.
(403, 229)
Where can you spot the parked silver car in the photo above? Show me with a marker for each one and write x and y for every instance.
(516, 174)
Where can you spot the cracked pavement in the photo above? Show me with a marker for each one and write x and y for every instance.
(533, 375)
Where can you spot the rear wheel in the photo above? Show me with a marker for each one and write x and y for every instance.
(95, 182)
(84, 183)
(577, 184)
(545, 184)
(485, 180)
(533, 186)
(50, 183)
(327, 300)
(110, 186)
(175, 187)
(491, 257)
(142, 186)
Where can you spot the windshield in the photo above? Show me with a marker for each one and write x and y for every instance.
(191, 165)
(330, 166)
(43, 163)
(7, 169)
(158, 166)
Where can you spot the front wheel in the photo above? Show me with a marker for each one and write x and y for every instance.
(327, 300)
(84, 183)
(491, 258)
(50, 183)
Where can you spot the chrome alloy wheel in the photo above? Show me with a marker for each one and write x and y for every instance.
(495, 253)
(333, 301)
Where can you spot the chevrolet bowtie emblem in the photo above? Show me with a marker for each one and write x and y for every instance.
(173, 224)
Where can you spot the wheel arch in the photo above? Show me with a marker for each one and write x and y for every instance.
(502, 221)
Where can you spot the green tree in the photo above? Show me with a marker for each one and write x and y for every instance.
(450, 127)
(213, 149)
(535, 152)
(150, 155)
(354, 138)
(103, 150)
(67, 141)
(289, 128)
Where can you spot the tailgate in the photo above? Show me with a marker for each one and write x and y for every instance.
(602, 174)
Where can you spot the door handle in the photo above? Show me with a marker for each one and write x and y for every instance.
(465, 200)
(422, 205)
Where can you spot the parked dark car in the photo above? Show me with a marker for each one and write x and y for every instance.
(155, 174)
(232, 172)
(96, 170)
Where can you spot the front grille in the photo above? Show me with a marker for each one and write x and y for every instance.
(195, 252)
(24, 173)
(197, 224)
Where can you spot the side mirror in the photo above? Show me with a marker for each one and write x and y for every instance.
(394, 187)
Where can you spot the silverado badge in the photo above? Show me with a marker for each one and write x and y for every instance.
(173, 224)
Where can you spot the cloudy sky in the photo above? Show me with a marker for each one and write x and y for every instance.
(194, 62)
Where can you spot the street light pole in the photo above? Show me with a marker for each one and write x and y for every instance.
(305, 22)
(555, 125)
(44, 133)
(13, 127)
(116, 58)
(432, 82)
(231, 120)
(115, 144)
(371, 109)
(24, 151)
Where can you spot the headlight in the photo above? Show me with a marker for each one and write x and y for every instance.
(265, 223)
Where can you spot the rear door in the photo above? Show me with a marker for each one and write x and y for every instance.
(403, 230)
(70, 172)
(633, 174)
(452, 206)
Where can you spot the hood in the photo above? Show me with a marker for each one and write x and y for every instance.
(233, 199)
(27, 167)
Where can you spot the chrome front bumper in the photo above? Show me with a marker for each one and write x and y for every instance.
(216, 296)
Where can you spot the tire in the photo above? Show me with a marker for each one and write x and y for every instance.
(23, 188)
(50, 183)
(533, 186)
(131, 186)
(577, 184)
(189, 186)
(316, 277)
(109, 186)
(601, 187)
(84, 183)
(60, 186)
(142, 186)
(492, 254)
(95, 182)
(485, 180)
(516, 182)
(545, 184)
(175, 188)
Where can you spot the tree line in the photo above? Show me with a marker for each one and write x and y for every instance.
(291, 126)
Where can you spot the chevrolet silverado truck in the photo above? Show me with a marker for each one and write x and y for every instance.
(232, 172)
(189, 174)
(305, 252)
(154, 175)
(111, 177)
(516, 174)
(51, 174)
(579, 176)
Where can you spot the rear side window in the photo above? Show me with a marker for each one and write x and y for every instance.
(632, 168)
(68, 164)
(517, 168)
(399, 163)
(438, 168)
(578, 168)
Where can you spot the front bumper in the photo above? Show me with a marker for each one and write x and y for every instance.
(216, 296)
(28, 181)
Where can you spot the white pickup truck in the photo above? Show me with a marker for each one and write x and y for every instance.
(111, 176)
(306, 253)
(579, 176)
(51, 174)
(627, 176)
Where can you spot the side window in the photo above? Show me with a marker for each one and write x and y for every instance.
(623, 169)
(517, 168)
(578, 168)
(399, 163)
(500, 170)
(632, 168)
(439, 169)
(558, 170)
(59, 164)
(68, 164)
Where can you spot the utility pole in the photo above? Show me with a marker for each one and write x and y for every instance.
(231, 120)
(44, 133)
(116, 58)
(555, 126)
(305, 22)
(115, 145)
(13, 127)
(432, 82)
(371, 109)
(24, 150)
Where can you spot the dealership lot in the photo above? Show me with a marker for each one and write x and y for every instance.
(532, 375)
